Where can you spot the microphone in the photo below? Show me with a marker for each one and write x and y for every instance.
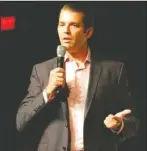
(60, 56)
(62, 92)
(60, 62)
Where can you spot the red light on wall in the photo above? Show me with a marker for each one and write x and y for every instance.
(7, 23)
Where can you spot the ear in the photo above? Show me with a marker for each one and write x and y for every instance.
(89, 32)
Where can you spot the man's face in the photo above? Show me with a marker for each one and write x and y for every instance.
(71, 30)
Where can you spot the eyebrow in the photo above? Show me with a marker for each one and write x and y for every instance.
(70, 22)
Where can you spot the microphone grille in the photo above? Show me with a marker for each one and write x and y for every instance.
(60, 51)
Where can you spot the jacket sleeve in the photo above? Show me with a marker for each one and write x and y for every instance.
(125, 101)
(32, 104)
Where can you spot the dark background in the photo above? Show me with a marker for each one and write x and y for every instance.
(120, 34)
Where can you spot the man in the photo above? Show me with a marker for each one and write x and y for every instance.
(92, 112)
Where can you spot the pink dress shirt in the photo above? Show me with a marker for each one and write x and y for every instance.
(77, 78)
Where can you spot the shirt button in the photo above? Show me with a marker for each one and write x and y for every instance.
(66, 125)
(64, 148)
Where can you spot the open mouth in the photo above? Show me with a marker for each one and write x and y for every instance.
(66, 40)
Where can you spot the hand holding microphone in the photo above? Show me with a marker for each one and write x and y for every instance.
(57, 75)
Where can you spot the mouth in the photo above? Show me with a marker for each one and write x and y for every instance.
(67, 40)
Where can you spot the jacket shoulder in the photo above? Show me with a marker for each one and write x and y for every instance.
(47, 63)
(113, 66)
(112, 63)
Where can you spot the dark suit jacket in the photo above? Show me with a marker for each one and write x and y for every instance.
(46, 126)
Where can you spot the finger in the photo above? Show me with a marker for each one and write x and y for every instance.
(60, 75)
(112, 119)
(123, 113)
(59, 83)
(109, 117)
(60, 79)
(127, 111)
(59, 70)
(110, 124)
(117, 118)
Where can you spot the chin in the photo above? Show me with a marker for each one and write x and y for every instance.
(67, 46)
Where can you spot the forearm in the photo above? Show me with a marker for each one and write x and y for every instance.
(131, 125)
(28, 109)
(126, 101)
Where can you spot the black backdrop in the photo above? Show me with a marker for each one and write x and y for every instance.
(119, 34)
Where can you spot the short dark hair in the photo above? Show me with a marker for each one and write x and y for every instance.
(89, 16)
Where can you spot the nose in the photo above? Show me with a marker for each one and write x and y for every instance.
(67, 30)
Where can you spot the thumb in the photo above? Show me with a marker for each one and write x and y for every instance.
(123, 113)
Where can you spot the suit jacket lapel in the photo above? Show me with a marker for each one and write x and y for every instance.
(95, 73)
(94, 76)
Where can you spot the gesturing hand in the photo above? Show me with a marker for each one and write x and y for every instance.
(114, 121)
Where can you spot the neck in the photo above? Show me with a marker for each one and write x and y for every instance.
(79, 55)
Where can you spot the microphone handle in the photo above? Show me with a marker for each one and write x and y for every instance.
(60, 62)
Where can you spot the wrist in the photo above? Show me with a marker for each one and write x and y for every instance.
(119, 128)
(49, 93)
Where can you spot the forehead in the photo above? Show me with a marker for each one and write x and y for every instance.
(70, 15)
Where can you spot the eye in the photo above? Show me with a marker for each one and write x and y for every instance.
(75, 25)
(61, 24)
